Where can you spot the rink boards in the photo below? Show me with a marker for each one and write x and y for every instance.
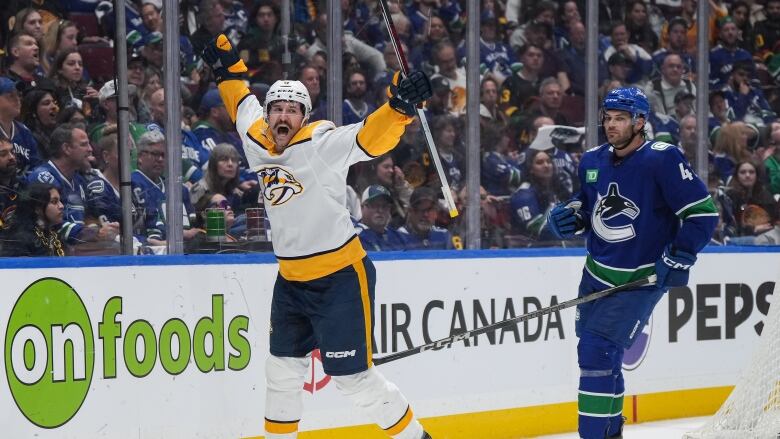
(167, 347)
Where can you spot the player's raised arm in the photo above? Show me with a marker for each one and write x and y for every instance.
(229, 71)
(383, 128)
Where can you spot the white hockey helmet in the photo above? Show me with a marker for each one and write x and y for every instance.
(285, 90)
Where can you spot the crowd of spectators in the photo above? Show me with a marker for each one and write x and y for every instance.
(59, 155)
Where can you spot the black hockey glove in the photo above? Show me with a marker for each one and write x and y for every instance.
(405, 94)
(223, 59)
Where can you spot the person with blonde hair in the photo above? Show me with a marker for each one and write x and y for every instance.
(730, 148)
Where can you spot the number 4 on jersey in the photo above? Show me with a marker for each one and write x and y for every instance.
(686, 174)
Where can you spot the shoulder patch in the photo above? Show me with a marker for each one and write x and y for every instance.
(46, 177)
(661, 146)
(96, 186)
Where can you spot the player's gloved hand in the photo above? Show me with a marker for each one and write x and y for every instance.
(406, 93)
(223, 59)
(672, 268)
(564, 220)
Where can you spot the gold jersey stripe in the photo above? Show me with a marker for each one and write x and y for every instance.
(312, 267)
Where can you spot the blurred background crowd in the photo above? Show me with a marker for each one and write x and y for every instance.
(59, 161)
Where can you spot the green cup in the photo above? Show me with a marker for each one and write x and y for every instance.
(215, 225)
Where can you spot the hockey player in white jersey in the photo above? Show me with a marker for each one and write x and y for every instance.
(324, 292)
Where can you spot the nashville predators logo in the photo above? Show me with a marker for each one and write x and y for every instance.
(606, 215)
(279, 185)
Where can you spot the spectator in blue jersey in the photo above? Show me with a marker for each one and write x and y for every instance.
(421, 54)
(149, 187)
(501, 173)
(688, 138)
(420, 231)
(103, 199)
(746, 98)
(151, 15)
(643, 212)
(355, 107)
(373, 229)
(726, 53)
(24, 145)
(211, 17)
(495, 57)
(194, 155)
(574, 58)
(677, 42)
(9, 184)
(450, 148)
(540, 191)
(70, 154)
(39, 114)
(34, 226)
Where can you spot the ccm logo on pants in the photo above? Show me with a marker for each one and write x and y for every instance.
(343, 354)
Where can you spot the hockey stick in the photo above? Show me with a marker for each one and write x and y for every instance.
(448, 341)
(399, 53)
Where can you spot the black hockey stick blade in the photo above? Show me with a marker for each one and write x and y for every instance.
(448, 341)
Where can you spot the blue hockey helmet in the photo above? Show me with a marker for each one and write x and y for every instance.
(630, 99)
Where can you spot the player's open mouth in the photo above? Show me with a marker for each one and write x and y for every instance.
(282, 130)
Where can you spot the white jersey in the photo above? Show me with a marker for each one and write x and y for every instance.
(304, 188)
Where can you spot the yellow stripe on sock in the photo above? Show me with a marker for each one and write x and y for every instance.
(277, 427)
(402, 423)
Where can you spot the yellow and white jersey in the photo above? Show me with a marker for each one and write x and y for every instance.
(304, 187)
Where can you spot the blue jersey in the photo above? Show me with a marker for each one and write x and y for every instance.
(635, 207)
(25, 148)
(499, 174)
(665, 128)
(437, 239)
(73, 194)
(149, 202)
(350, 114)
(387, 241)
(722, 63)
(209, 137)
(494, 57)
(103, 199)
(529, 212)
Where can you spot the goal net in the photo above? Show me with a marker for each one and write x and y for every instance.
(752, 411)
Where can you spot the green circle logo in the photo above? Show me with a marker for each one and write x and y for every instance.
(49, 353)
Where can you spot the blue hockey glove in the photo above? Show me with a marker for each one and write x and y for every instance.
(672, 268)
(564, 220)
(223, 59)
(406, 93)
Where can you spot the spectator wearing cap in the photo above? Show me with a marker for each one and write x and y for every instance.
(355, 107)
(152, 49)
(677, 43)
(766, 33)
(641, 61)
(24, 56)
(373, 229)
(107, 98)
(420, 231)
(25, 148)
(447, 66)
(519, 88)
(618, 68)
(39, 114)
(440, 101)
(67, 72)
(726, 54)
(211, 16)
(661, 92)
(746, 98)
(495, 57)
(70, 155)
(9, 183)
(384, 172)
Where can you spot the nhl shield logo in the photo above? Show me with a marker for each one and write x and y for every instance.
(279, 185)
(612, 216)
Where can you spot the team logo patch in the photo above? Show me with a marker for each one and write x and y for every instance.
(279, 185)
(591, 175)
(46, 177)
(612, 216)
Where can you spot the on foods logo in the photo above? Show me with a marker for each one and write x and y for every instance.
(49, 353)
(50, 348)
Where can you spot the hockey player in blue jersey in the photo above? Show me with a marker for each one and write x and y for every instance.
(643, 211)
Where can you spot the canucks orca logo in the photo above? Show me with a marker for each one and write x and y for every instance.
(279, 185)
(609, 207)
